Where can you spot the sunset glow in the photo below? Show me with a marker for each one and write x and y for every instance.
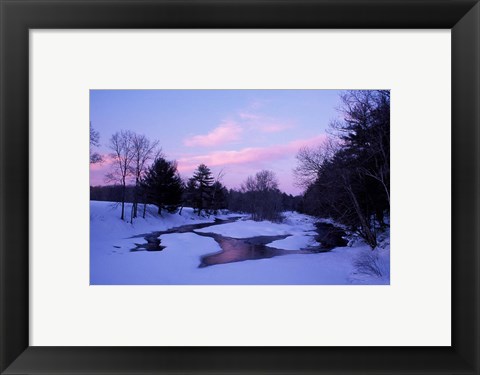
(237, 132)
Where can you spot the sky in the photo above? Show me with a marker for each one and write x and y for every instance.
(234, 132)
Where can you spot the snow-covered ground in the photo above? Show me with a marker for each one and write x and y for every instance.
(112, 262)
(300, 228)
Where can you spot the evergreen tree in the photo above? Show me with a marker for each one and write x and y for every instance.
(188, 197)
(352, 178)
(219, 197)
(204, 188)
(163, 185)
(365, 132)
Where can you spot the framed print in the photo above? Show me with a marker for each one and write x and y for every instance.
(189, 241)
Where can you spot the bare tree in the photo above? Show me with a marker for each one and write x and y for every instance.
(311, 159)
(143, 151)
(378, 167)
(95, 157)
(264, 200)
(121, 143)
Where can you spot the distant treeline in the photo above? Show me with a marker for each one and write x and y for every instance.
(112, 193)
(271, 203)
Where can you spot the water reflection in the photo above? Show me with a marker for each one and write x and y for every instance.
(236, 250)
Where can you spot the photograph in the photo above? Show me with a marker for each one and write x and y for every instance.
(239, 187)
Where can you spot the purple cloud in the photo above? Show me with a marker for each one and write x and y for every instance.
(247, 155)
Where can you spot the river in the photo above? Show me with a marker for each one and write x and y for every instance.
(236, 250)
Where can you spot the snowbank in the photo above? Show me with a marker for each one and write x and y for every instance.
(300, 228)
(112, 262)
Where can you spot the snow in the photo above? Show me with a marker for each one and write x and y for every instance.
(300, 229)
(294, 223)
(246, 229)
(371, 267)
(112, 262)
(295, 242)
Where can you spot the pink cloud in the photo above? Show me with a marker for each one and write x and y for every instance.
(243, 162)
(107, 160)
(247, 155)
(225, 133)
(99, 170)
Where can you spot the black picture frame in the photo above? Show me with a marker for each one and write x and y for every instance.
(18, 16)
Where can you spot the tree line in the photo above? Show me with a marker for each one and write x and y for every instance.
(140, 174)
(347, 177)
(140, 169)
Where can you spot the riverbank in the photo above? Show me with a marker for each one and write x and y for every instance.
(113, 262)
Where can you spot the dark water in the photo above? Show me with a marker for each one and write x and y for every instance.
(153, 240)
(329, 237)
(236, 250)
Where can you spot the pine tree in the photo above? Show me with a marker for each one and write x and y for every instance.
(352, 178)
(219, 197)
(188, 197)
(203, 193)
(163, 185)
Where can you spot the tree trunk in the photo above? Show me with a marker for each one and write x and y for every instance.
(135, 199)
(123, 201)
(200, 199)
(379, 215)
(369, 236)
